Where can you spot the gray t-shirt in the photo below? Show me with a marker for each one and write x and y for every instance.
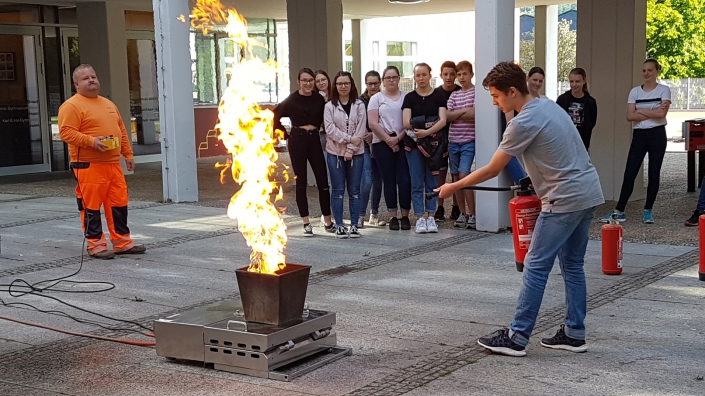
(555, 158)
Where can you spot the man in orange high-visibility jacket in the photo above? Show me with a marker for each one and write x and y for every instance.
(84, 121)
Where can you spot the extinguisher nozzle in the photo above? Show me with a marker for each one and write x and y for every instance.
(702, 276)
(431, 195)
(520, 266)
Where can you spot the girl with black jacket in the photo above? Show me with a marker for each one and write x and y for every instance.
(581, 107)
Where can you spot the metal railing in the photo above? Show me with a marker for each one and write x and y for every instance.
(686, 93)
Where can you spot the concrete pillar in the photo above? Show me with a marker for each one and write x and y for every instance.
(494, 27)
(611, 48)
(178, 136)
(546, 47)
(358, 73)
(101, 38)
(315, 36)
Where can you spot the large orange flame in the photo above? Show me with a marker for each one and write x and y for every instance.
(246, 131)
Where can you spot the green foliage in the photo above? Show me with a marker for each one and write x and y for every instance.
(566, 50)
(675, 36)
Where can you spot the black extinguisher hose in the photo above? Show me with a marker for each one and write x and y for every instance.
(478, 188)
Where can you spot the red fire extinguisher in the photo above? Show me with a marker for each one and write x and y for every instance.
(612, 247)
(524, 209)
(701, 228)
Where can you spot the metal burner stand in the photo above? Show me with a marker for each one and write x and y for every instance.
(219, 334)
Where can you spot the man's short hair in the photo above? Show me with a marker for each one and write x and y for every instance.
(79, 68)
(506, 75)
(464, 65)
(449, 64)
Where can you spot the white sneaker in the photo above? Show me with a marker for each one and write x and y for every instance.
(375, 221)
(461, 222)
(472, 222)
(361, 222)
(421, 226)
(431, 225)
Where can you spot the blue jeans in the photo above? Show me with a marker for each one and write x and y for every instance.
(395, 174)
(371, 180)
(701, 199)
(422, 182)
(345, 174)
(461, 157)
(556, 234)
(516, 171)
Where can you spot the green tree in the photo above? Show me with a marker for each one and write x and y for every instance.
(675, 36)
(566, 50)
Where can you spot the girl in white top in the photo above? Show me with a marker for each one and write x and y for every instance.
(384, 115)
(534, 81)
(647, 108)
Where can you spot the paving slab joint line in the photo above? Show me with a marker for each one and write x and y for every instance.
(71, 216)
(549, 318)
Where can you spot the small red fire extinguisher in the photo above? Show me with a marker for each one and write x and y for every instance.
(701, 229)
(612, 247)
(524, 209)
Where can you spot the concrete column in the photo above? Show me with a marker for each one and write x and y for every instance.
(494, 27)
(546, 47)
(611, 48)
(101, 37)
(315, 36)
(358, 73)
(178, 136)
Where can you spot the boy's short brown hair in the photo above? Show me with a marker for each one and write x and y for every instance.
(464, 65)
(506, 75)
(449, 64)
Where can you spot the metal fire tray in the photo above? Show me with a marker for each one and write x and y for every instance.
(218, 334)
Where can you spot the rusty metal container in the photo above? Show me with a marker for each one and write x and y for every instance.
(274, 299)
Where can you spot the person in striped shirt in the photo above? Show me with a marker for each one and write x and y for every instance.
(461, 138)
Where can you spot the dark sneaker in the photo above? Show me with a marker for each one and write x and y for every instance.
(405, 223)
(104, 255)
(440, 214)
(308, 230)
(562, 341)
(455, 212)
(330, 228)
(354, 233)
(394, 224)
(341, 232)
(500, 342)
(137, 249)
(693, 220)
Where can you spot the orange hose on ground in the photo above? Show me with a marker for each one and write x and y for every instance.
(123, 341)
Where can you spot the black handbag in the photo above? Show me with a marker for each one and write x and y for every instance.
(435, 146)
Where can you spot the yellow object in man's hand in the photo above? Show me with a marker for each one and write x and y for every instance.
(111, 142)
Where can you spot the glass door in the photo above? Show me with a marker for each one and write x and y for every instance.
(144, 94)
(24, 141)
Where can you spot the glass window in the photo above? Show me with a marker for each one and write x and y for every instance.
(400, 48)
(24, 13)
(144, 96)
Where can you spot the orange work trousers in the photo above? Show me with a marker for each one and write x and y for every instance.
(102, 185)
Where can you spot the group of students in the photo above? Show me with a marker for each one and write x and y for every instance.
(376, 142)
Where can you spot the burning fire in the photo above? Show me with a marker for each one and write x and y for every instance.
(246, 131)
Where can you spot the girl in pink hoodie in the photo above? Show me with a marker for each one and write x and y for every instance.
(345, 122)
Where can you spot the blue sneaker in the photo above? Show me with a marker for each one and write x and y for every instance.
(621, 217)
(648, 217)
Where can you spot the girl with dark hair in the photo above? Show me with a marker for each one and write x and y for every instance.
(323, 87)
(534, 81)
(305, 110)
(647, 108)
(385, 116)
(345, 122)
(429, 106)
(581, 107)
(371, 177)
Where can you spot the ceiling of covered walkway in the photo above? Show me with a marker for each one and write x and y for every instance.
(352, 9)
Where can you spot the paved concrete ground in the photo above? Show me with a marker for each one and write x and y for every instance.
(411, 307)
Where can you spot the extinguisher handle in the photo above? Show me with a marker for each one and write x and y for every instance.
(434, 194)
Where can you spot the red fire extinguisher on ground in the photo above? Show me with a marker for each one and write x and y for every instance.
(612, 247)
(524, 209)
(701, 229)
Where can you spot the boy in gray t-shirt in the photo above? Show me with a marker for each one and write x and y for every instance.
(568, 185)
